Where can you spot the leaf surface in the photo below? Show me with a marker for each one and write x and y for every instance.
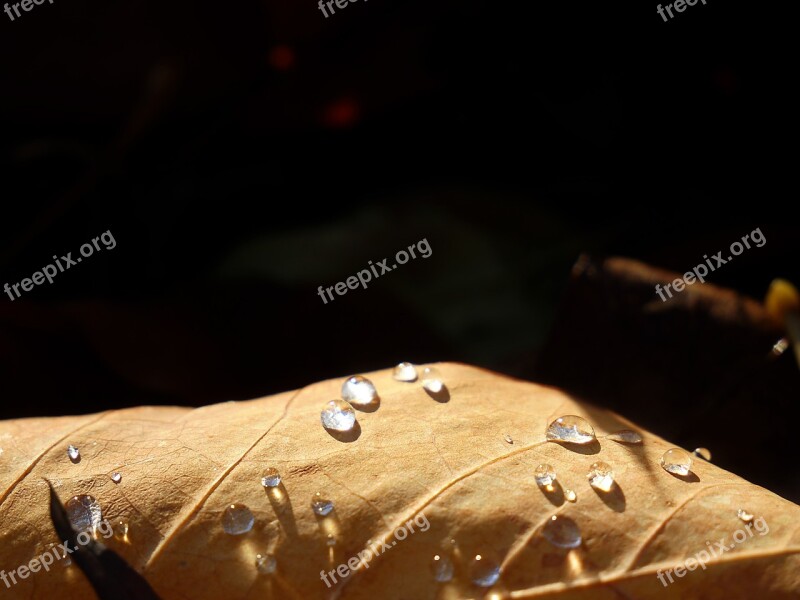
(443, 460)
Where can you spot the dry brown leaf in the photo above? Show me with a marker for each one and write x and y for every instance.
(415, 455)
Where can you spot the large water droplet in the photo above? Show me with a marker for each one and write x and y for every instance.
(508, 439)
(338, 415)
(266, 564)
(484, 572)
(271, 478)
(73, 453)
(432, 380)
(626, 436)
(562, 532)
(84, 513)
(359, 390)
(237, 519)
(703, 453)
(405, 371)
(601, 476)
(570, 495)
(116, 477)
(545, 475)
(572, 429)
(677, 461)
(442, 568)
(744, 515)
(321, 505)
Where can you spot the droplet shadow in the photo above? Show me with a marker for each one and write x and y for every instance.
(614, 498)
(371, 407)
(443, 395)
(346, 436)
(690, 477)
(592, 447)
(554, 493)
(330, 525)
(282, 505)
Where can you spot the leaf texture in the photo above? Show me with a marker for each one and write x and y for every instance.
(442, 459)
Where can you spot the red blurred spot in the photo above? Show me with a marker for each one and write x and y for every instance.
(281, 58)
(725, 80)
(341, 113)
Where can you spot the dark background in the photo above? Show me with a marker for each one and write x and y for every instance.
(244, 154)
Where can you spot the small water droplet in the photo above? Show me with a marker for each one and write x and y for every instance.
(84, 513)
(73, 453)
(703, 453)
(359, 391)
(330, 540)
(121, 530)
(626, 436)
(405, 371)
(338, 415)
(570, 495)
(780, 347)
(271, 478)
(442, 568)
(601, 476)
(545, 475)
(744, 515)
(116, 477)
(562, 532)
(484, 572)
(572, 429)
(266, 563)
(677, 461)
(237, 519)
(59, 553)
(508, 439)
(432, 380)
(321, 505)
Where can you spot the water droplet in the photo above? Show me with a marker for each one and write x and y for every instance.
(626, 436)
(121, 530)
(570, 496)
(330, 540)
(442, 568)
(601, 476)
(405, 371)
(508, 439)
(432, 380)
(237, 519)
(116, 477)
(338, 415)
(703, 453)
(266, 563)
(562, 532)
(359, 390)
(744, 515)
(271, 478)
(321, 505)
(545, 475)
(484, 572)
(73, 453)
(84, 513)
(780, 347)
(677, 461)
(571, 429)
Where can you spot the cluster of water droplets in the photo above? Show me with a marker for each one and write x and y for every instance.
(560, 531)
(359, 392)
